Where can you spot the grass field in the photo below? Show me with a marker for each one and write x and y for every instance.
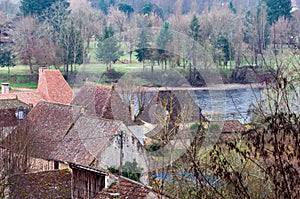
(20, 76)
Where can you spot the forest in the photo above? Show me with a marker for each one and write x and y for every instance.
(233, 33)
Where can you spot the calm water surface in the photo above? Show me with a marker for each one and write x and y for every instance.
(229, 104)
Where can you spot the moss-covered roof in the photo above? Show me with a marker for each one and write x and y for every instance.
(47, 184)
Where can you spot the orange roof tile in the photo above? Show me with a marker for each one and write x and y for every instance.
(231, 126)
(53, 87)
(8, 96)
(102, 101)
(128, 189)
(26, 97)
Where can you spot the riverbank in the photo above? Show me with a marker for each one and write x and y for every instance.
(231, 86)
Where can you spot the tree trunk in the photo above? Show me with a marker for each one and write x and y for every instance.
(30, 66)
(143, 65)
(67, 69)
(165, 64)
(152, 67)
(88, 45)
(190, 73)
(130, 57)
(238, 59)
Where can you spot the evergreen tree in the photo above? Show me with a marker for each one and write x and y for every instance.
(147, 9)
(103, 6)
(223, 45)
(36, 7)
(108, 47)
(278, 8)
(143, 51)
(232, 7)
(165, 36)
(125, 8)
(249, 27)
(7, 58)
(195, 29)
(195, 34)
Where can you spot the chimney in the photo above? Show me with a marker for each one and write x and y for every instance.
(41, 69)
(5, 88)
(132, 110)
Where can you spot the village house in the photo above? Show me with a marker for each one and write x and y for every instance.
(171, 111)
(104, 102)
(61, 134)
(127, 188)
(225, 131)
(79, 182)
(12, 111)
(52, 87)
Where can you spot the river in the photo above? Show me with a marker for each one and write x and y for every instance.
(227, 104)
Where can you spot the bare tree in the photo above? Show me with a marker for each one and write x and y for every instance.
(280, 33)
(131, 34)
(34, 44)
(117, 18)
(24, 37)
(88, 20)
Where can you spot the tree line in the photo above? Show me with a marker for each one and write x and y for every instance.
(58, 32)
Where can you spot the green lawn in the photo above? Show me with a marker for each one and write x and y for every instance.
(20, 69)
(19, 77)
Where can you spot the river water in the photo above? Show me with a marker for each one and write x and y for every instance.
(227, 104)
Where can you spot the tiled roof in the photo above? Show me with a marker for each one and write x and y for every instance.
(26, 97)
(102, 101)
(54, 88)
(46, 125)
(230, 130)
(11, 104)
(8, 107)
(127, 188)
(60, 132)
(51, 87)
(48, 184)
(8, 96)
(172, 101)
(85, 140)
(231, 126)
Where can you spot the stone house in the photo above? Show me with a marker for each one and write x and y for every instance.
(60, 134)
(10, 109)
(104, 102)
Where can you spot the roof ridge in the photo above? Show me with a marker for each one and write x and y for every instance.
(59, 103)
(136, 182)
(16, 93)
(9, 99)
(97, 84)
(101, 118)
(44, 171)
(44, 93)
(107, 100)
